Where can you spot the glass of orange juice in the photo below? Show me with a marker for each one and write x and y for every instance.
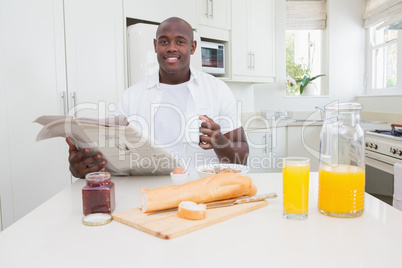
(296, 171)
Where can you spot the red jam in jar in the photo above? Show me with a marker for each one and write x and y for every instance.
(98, 193)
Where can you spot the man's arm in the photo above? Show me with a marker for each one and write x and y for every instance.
(231, 147)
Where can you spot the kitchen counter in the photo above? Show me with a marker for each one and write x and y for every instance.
(53, 236)
(260, 124)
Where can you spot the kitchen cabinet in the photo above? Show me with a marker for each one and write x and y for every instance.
(304, 141)
(253, 40)
(94, 38)
(54, 54)
(214, 13)
(32, 75)
(266, 148)
(159, 10)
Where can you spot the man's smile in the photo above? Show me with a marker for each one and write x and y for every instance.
(171, 58)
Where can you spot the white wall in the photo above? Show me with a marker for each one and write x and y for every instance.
(345, 73)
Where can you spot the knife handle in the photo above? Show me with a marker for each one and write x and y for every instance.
(256, 198)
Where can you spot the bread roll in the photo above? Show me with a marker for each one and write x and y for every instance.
(191, 211)
(211, 188)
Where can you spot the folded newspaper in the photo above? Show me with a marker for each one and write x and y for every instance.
(128, 150)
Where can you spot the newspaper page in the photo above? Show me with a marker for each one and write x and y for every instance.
(128, 151)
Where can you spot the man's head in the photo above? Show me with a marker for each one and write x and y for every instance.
(174, 44)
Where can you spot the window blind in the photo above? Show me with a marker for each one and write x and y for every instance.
(306, 15)
(382, 11)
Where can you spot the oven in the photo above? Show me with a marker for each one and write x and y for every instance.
(383, 150)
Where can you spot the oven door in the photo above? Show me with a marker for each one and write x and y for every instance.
(380, 176)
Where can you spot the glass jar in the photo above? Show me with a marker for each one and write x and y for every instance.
(341, 171)
(98, 193)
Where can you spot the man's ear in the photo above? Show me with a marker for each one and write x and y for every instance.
(155, 45)
(193, 47)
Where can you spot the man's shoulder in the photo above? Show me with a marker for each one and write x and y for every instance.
(141, 85)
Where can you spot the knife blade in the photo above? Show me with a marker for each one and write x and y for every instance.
(221, 203)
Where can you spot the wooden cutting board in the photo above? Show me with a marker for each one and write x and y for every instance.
(168, 226)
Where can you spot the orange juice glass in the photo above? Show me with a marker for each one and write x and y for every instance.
(341, 191)
(296, 171)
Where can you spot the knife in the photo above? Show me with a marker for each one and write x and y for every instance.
(221, 203)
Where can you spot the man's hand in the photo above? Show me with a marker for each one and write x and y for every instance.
(80, 161)
(230, 147)
(213, 137)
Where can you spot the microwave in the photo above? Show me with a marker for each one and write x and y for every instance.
(213, 57)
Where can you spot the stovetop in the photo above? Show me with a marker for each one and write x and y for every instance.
(385, 142)
(395, 132)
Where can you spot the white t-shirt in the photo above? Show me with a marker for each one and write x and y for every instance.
(206, 95)
(169, 115)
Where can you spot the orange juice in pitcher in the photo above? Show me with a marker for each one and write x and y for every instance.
(341, 171)
(341, 190)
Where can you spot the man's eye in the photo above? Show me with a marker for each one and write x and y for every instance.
(162, 42)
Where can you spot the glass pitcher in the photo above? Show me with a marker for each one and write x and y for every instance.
(341, 171)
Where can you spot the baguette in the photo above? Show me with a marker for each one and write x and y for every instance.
(253, 191)
(208, 189)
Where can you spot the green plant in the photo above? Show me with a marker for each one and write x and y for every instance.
(306, 80)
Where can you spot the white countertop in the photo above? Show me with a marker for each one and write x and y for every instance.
(53, 236)
(262, 125)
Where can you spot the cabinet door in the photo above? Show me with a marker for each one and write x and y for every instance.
(240, 51)
(258, 142)
(278, 148)
(253, 40)
(261, 33)
(32, 62)
(159, 10)
(95, 56)
(215, 13)
(304, 141)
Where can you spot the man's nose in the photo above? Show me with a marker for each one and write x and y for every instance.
(172, 47)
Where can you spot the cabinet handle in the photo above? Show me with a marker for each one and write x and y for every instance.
(249, 61)
(74, 104)
(269, 142)
(253, 61)
(64, 103)
(264, 141)
(212, 9)
(206, 13)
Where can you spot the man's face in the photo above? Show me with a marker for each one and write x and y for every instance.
(174, 45)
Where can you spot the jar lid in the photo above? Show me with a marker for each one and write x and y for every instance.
(96, 219)
(345, 106)
(97, 176)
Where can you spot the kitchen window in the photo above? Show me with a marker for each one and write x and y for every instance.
(303, 56)
(383, 21)
(383, 65)
(305, 28)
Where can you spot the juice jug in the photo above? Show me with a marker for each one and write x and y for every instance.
(342, 169)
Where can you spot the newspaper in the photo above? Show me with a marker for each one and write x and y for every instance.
(128, 150)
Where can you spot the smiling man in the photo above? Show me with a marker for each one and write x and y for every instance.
(171, 101)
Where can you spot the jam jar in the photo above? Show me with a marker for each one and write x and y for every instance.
(98, 193)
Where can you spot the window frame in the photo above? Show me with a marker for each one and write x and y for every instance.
(370, 33)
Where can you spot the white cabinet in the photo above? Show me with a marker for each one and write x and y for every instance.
(304, 141)
(32, 74)
(253, 40)
(49, 48)
(94, 37)
(267, 147)
(214, 13)
(159, 10)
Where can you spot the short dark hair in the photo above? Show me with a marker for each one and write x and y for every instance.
(177, 19)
